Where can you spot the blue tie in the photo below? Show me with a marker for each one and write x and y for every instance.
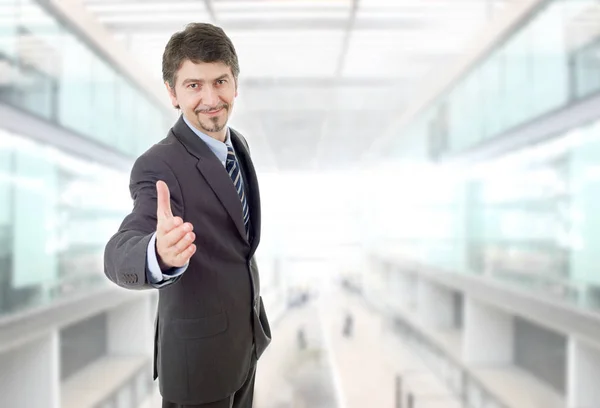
(233, 168)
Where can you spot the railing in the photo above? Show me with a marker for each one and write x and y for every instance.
(76, 273)
(455, 375)
(133, 392)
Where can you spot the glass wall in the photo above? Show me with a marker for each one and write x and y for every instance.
(529, 218)
(549, 62)
(522, 223)
(586, 66)
(48, 71)
(57, 211)
(56, 214)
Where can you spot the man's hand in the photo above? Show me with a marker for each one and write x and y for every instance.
(174, 238)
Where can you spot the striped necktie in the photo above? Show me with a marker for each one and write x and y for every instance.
(233, 168)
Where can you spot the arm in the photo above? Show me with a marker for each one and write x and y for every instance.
(126, 253)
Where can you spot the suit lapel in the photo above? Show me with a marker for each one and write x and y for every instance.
(213, 172)
(251, 182)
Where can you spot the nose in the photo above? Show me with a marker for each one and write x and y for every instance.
(209, 96)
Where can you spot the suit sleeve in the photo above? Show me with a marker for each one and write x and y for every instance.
(125, 254)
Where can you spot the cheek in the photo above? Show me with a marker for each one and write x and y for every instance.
(230, 96)
(190, 101)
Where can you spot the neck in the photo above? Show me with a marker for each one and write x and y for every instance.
(220, 136)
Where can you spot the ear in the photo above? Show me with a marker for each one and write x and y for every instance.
(172, 95)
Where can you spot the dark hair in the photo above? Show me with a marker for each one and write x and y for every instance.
(198, 42)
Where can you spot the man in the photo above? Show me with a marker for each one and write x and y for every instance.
(193, 232)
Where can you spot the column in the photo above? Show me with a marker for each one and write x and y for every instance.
(31, 374)
(488, 336)
(131, 328)
(583, 374)
(435, 305)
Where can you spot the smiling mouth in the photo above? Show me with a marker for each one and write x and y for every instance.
(211, 113)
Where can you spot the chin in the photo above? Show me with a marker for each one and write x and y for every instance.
(214, 129)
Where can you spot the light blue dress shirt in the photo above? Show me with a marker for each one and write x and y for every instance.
(156, 277)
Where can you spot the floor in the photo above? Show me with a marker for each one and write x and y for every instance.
(333, 351)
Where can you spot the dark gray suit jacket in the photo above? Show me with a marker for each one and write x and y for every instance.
(211, 324)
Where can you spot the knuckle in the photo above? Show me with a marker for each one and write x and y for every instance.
(180, 247)
(172, 224)
(176, 237)
(163, 226)
(173, 235)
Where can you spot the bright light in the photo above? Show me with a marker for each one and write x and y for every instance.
(265, 5)
(145, 7)
(229, 17)
(178, 17)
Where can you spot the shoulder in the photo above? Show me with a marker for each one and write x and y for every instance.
(235, 133)
(160, 156)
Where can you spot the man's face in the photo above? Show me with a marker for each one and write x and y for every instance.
(205, 93)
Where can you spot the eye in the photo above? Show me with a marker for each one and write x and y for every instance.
(221, 81)
(193, 86)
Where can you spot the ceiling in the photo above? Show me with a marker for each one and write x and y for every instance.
(319, 80)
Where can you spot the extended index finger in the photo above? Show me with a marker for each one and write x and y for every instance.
(163, 201)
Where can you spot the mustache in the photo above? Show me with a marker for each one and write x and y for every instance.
(211, 109)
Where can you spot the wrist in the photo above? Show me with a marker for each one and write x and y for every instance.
(163, 266)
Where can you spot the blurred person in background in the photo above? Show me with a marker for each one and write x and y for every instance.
(193, 232)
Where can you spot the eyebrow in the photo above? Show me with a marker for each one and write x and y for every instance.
(189, 80)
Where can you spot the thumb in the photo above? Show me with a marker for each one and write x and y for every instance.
(163, 201)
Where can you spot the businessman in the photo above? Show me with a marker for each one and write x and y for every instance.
(193, 232)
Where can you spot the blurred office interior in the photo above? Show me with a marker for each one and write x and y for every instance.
(430, 184)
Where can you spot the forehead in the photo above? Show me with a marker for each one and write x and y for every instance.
(202, 70)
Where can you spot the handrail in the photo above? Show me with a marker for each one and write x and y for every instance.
(141, 374)
(421, 343)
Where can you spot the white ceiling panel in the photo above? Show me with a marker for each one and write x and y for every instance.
(279, 54)
(420, 4)
(267, 5)
(399, 54)
(226, 17)
(171, 17)
(138, 7)
(319, 79)
(284, 98)
(384, 97)
(301, 14)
